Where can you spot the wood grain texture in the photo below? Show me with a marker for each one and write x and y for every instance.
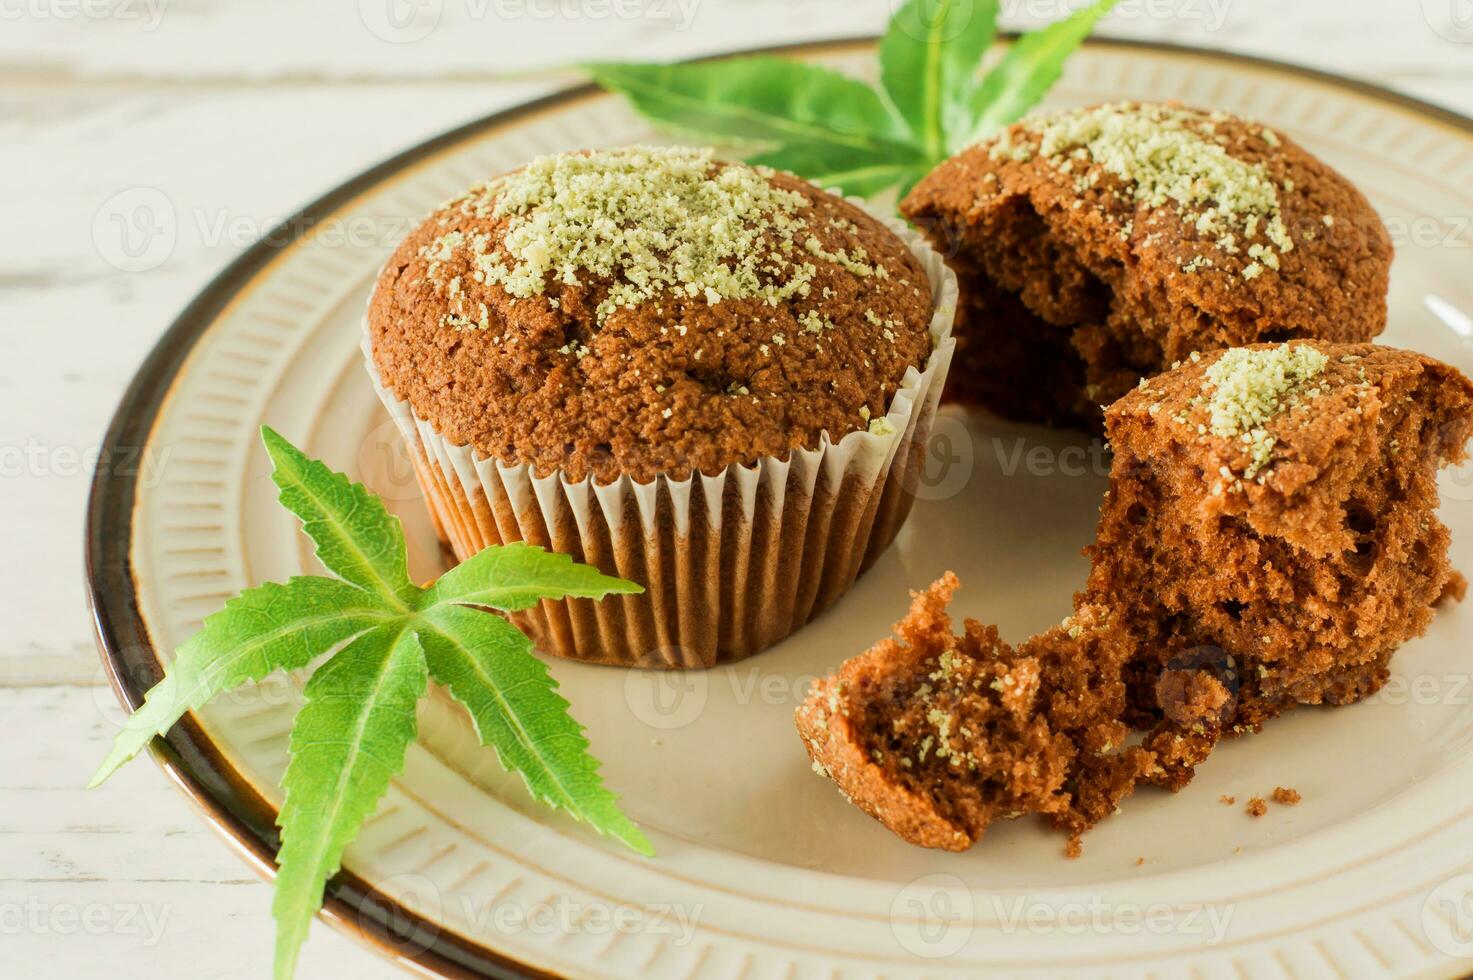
(234, 115)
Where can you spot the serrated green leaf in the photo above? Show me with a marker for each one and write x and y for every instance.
(1026, 72)
(834, 167)
(349, 739)
(272, 627)
(357, 539)
(347, 742)
(517, 576)
(758, 100)
(929, 56)
(488, 666)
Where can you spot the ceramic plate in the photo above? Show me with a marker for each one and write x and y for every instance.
(763, 869)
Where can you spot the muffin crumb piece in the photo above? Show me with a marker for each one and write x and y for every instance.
(1286, 796)
(1456, 589)
(1256, 807)
(1226, 800)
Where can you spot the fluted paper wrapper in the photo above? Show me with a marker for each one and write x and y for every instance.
(730, 563)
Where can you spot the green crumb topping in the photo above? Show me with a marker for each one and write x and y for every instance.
(1166, 156)
(651, 221)
(1251, 387)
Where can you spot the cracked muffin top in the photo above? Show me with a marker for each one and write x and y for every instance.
(644, 311)
(1097, 246)
(1229, 214)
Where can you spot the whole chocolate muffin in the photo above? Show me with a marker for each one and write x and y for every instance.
(607, 352)
(1101, 245)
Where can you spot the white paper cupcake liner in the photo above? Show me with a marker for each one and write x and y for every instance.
(730, 563)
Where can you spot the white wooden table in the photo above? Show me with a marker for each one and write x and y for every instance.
(238, 113)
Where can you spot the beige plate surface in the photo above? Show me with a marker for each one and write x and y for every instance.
(763, 870)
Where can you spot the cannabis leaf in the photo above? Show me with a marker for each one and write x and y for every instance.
(838, 132)
(759, 99)
(928, 58)
(1025, 74)
(347, 742)
(386, 637)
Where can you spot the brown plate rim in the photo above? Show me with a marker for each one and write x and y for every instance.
(225, 798)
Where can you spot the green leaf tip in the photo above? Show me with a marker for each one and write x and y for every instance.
(271, 627)
(516, 576)
(1026, 72)
(357, 539)
(929, 57)
(482, 660)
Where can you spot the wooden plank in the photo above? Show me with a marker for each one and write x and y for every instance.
(126, 880)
